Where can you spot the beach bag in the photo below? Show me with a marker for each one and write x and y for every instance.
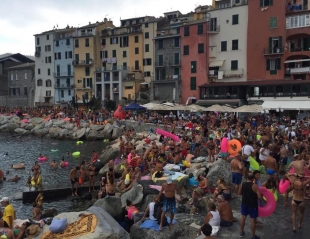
(58, 225)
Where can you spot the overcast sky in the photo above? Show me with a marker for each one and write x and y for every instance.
(21, 19)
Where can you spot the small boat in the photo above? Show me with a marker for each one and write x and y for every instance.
(18, 166)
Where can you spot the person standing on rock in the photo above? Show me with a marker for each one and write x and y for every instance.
(236, 168)
(249, 206)
(74, 180)
(168, 189)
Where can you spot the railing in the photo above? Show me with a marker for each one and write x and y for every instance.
(83, 87)
(63, 86)
(160, 63)
(174, 63)
(297, 21)
(221, 96)
(37, 53)
(229, 73)
(63, 74)
(213, 73)
(83, 63)
(63, 36)
(82, 34)
(169, 77)
(214, 29)
(300, 70)
(121, 31)
(299, 49)
(275, 50)
(43, 104)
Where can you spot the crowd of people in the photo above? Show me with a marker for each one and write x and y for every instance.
(270, 139)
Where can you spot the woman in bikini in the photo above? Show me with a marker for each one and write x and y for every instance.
(91, 169)
(201, 190)
(222, 189)
(110, 186)
(211, 149)
(299, 193)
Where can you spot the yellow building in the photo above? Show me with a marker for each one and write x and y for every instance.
(127, 58)
(86, 58)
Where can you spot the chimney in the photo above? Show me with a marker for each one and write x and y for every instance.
(105, 19)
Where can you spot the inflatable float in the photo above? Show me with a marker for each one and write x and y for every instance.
(18, 166)
(165, 133)
(106, 140)
(275, 194)
(306, 173)
(224, 145)
(270, 206)
(79, 142)
(43, 158)
(76, 153)
(234, 147)
(253, 164)
(284, 185)
(38, 183)
(54, 150)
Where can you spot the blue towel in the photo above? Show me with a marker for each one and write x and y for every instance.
(192, 182)
(169, 172)
(150, 224)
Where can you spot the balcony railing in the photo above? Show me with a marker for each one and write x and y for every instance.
(82, 34)
(63, 86)
(300, 70)
(160, 63)
(297, 21)
(63, 74)
(213, 73)
(273, 51)
(121, 31)
(214, 29)
(82, 87)
(168, 77)
(231, 73)
(37, 54)
(299, 49)
(83, 63)
(174, 63)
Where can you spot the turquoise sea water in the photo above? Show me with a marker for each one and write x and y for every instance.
(26, 149)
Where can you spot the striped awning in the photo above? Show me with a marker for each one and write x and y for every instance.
(216, 63)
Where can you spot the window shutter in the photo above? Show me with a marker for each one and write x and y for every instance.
(270, 2)
(261, 3)
(66, 55)
(268, 64)
(280, 41)
(270, 44)
(91, 83)
(84, 85)
(111, 40)
(278, 63)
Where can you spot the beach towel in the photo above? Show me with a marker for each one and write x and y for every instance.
(150, 224)
(155, 187)
(86, 224)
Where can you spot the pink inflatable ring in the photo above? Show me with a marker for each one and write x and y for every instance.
(270, 206)
(283, 186)
(42, 159)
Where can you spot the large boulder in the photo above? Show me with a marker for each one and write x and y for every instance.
(15, 120)
(29, 127)
(79, 134)
(135, 195)
(3, 128)
(111, 205)
(96, 127)
(20, 131)
(59, 123)
(63, 133)
(38, 127)
(69, 126)
(4, 121)
(108, 154)
(179, 230)
(48, 124)
(54, 132)
(85, 125)
(106, 228)
(11, 127)
(219, 169)
(108, 128)
(117, 132)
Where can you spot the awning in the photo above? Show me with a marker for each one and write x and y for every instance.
(286, 105)
(297, 60)
(216, 63)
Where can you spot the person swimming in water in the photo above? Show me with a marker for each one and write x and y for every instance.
(62, 162)
(53, 164)
(15, 179)
(68, 153)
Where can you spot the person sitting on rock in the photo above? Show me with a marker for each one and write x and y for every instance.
(206, 229)
(129, 218)
(225, 211)
(150, 210)
(222, 189)
(213, 218)
(201, 190)
(102, 190)
(15, 179)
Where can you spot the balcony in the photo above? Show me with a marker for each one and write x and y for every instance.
(174, 63)
(167, 78)
(63, 86)
(37, 54)
(83, 34)
(63, 74)
(83, 63)
(213, 73)
(214, 29)
(43, 104)
(300, 70)
(292, 8)
(160, 64)
(273, 51)
(83, 87)
(232, 73)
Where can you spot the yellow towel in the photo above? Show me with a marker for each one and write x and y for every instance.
(86, 224)
(180, 178)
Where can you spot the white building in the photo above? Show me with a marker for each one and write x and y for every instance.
(44, 69)
(228, 41)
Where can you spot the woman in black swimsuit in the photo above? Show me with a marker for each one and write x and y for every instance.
(91, 169)
(211, 149)
(299, 193)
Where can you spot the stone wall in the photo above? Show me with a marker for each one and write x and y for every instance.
(143, 127)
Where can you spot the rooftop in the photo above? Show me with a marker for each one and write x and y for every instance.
(17, 57)
(23, 66)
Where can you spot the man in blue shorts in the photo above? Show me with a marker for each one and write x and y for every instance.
(168, 189)
(236, 168)
(249, 206)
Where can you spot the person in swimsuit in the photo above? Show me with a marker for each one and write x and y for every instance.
(211, 149)
(92, 180)
(82, 174)
(110, 186)
(53, 164)
(299, 192)
(201, 190)
(102, 190)
(271, 167)
(184, 148)
(39, 200)
(74, 180)
(198, 140)
(222, 189)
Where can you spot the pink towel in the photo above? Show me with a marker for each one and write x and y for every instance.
(146, 178)
(155, 187)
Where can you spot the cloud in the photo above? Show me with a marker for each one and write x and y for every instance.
(20, 19)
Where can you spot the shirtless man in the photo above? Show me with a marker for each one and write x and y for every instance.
(74, 180)
(184, 148)
(110, 185)
(111, 165)
(53, 164)
(198, 140)
(121, 146)
(176, 158)
(271, 167)
(225, 211)
(236, 168)
(298, 165)
(283, 158)
(171, 145)
(168, 189)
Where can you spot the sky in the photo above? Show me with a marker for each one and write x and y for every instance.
(21, 19)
